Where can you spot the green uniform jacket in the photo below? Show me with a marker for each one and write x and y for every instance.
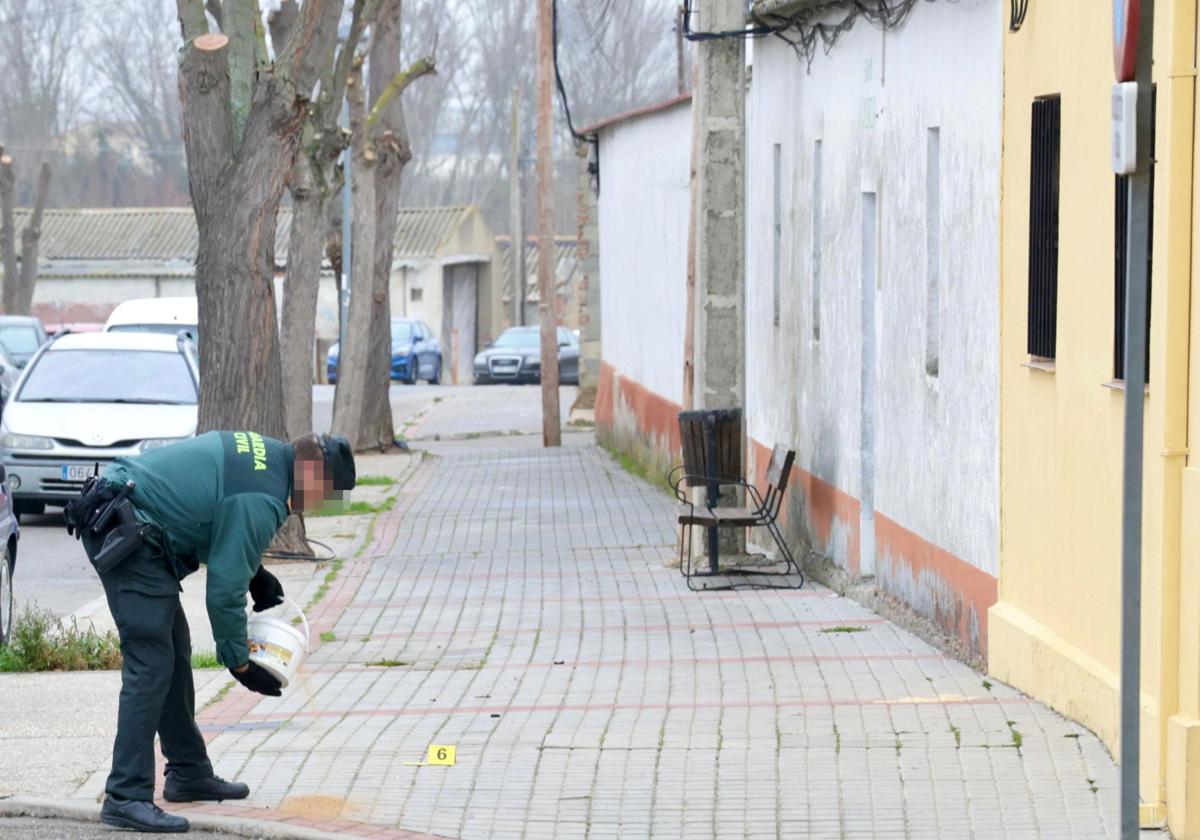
(219, 497)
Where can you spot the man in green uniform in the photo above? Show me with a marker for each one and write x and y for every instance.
(216, 499)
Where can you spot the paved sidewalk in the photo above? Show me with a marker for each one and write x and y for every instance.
(514, 603)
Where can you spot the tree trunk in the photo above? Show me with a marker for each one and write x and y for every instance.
(350, 397)
(300, 290)
(377, 422)
(30, 237)
(236, 185)
(8, 235)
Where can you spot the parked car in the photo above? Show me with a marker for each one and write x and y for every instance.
(516, 356)
(75, 327)
(415, 354)
(87, 399)
(10, 533)
(21, 335)
(9, 373)
(166, 315)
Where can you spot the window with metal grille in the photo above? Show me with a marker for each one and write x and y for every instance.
(1043, 226)
(1120, 261)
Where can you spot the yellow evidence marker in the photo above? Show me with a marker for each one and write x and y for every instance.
(441, 754)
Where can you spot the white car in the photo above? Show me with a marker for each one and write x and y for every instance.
(166, 315)
(88, 398)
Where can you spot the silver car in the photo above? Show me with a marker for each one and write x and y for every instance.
(10, 532)
(86, 399)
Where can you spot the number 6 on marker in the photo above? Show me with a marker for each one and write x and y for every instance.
(441, 754)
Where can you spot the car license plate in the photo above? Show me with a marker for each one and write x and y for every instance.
(76, 472)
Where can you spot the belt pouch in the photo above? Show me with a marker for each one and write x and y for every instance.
(119, 543)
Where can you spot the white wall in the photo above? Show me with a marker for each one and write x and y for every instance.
(643, 202)
(871, 103)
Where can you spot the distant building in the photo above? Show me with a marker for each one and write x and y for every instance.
(442, 272)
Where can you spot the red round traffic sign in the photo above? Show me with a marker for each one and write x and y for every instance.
(1126, 14)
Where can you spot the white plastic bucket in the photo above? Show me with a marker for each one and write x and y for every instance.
(276, 644)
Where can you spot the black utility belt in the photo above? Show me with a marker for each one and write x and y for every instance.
(103, 512)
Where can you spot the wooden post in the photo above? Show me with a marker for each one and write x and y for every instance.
(551, 420)
(516, 214)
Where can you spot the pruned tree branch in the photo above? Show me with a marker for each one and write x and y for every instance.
(281, 21)
(422, 67)
(30, 237)
(309, 44)
(206, 114)
(245, 27)
(192, 22)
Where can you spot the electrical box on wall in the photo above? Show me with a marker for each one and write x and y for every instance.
(1124, 128)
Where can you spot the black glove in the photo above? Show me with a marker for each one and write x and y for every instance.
(257, 678)
(266, 590)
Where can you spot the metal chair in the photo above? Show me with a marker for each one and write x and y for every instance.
(763, 512)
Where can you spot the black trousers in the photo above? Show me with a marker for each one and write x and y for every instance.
(157, 692)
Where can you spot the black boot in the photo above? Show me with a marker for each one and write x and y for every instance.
(208, 789)
(140, 815)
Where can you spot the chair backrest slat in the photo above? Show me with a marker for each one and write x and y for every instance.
(780, 467)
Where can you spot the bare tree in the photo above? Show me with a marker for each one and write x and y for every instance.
(133, 55)
(39, 44)
(313, 182)
(395, 151)
(242, 117)
(361, 410)
(16, 296)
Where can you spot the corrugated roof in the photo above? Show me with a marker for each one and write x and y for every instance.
(566, 263)
(169, 233)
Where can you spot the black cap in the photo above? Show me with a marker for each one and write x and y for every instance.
(339, 461)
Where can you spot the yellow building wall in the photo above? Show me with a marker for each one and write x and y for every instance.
(1055, 631)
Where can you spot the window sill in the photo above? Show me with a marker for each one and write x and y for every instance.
(1043, 365)
(1119, 385)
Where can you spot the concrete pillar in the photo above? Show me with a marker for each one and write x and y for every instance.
(719, 109)
(720, 112)
(588, 266)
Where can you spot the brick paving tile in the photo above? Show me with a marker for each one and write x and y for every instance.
(514, 603)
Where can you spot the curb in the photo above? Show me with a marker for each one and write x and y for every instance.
(19, 806)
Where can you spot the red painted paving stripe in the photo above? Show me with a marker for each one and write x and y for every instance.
(639, 707)
(484, 598)
(336, 667)
(622, 628)
(332, 825)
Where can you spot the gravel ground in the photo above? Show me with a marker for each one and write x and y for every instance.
(34, 828)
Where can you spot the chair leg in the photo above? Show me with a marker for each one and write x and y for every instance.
(790, 559)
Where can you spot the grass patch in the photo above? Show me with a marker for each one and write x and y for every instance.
(323, 589)
(336, 508)
(205, 659)
(957, 736)
(328, 636)
(389, 663)
(1017, 740)
(843, 628)
(41, 641)
(376, 481)
(987, 685)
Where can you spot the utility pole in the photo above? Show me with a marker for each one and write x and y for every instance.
(516, 213)
(719, 114)
(1130, 17)
(680, 75)
(551, 420)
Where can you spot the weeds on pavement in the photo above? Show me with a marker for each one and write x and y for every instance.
(204, 659)
(41, 641)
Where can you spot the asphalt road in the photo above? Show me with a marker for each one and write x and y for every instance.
(51, 567)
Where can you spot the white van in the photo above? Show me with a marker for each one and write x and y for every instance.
(156, 315)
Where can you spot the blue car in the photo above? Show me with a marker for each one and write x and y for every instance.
(415, 354)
